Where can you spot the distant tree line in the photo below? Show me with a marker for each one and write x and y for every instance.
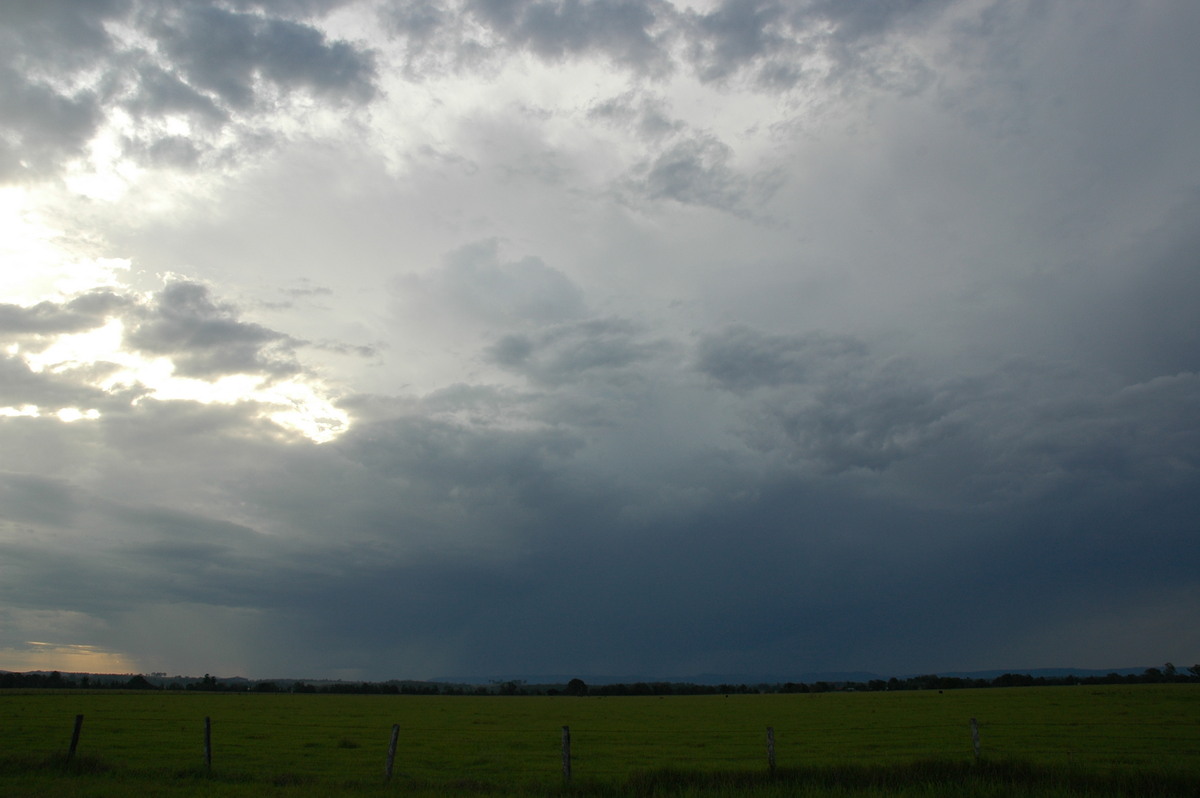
(1168, 673)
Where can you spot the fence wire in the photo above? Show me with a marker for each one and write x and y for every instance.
(257, 735)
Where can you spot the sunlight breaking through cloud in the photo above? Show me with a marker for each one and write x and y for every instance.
(65, 414)
(69, 657)
(299, 404)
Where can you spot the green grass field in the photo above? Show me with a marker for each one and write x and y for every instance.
(1052, 741)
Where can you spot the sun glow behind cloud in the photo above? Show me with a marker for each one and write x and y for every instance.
(69, 657)
(104, 174)
(36, 266)
(65, 414)
(298, 404)
(35, 262)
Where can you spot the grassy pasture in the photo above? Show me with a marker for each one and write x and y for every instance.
(861, 744)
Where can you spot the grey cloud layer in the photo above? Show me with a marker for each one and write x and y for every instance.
(203, 338)
(76, 315)
(222, 53)
(418, 514)
(207, 339)
(215, 66)
(766, 40)
(475, 283)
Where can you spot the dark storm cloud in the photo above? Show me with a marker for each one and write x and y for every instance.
(192, 558)
(489, 476)
(118, 553)
(206, 339)
(584, 580)
(866, 421)
(956, 427)
(828, 401)
(1019, 431)
(31, 499)
(473, 534)
(220, 61)
(1139, 323)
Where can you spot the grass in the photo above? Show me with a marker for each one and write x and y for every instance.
(925, 778)
(1079, 742)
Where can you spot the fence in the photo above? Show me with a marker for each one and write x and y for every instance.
(525, 739)
(389, 766)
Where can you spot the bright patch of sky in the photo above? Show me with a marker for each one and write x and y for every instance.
(296, 405)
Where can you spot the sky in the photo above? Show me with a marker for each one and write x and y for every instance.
(373, 339)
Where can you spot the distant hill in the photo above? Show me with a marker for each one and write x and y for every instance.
(534, 680)
(1048, 673)
(806, 678)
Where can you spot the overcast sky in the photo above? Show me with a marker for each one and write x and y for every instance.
(379, 339)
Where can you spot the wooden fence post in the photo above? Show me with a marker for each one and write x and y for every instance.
(391, 758)
(75, 737)
(975, 737)
(207, 742)
(771, 749)
(566, 753)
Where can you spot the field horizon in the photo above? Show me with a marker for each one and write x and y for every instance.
(705, 679)
(1103, 740)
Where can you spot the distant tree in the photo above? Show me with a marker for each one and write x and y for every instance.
(1169, 670)
(207, 684)
(577, 687)
(139, 682)
(1195, 670)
